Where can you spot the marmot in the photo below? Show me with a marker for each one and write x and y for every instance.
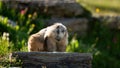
(50, 39)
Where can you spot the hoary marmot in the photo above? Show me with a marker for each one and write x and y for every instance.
(50, 39)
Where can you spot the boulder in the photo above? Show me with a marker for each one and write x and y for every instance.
(75, 25)
(52, 8)
(112, 22)
(52, 59)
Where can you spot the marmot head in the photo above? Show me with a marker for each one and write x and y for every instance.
(57, 31)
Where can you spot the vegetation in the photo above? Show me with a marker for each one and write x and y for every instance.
(14, 37)
(101, 41)
(102, 7)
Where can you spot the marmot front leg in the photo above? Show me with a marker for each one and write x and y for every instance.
(61, 46)
(49, 45)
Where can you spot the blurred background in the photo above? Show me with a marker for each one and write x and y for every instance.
(93, 25)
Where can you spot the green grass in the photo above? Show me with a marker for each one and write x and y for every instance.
(106, 7)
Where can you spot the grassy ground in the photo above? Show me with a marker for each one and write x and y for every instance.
(102, 7)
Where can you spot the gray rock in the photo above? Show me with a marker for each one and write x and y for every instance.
(53, 60)
(53, 8)
(77, 26)
(112, 22)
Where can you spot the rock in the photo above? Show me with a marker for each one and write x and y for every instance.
(53, 59)
(52, 8)
(112, 22)
(77, 26)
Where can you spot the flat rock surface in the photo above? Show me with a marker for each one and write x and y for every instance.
(54, 59)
